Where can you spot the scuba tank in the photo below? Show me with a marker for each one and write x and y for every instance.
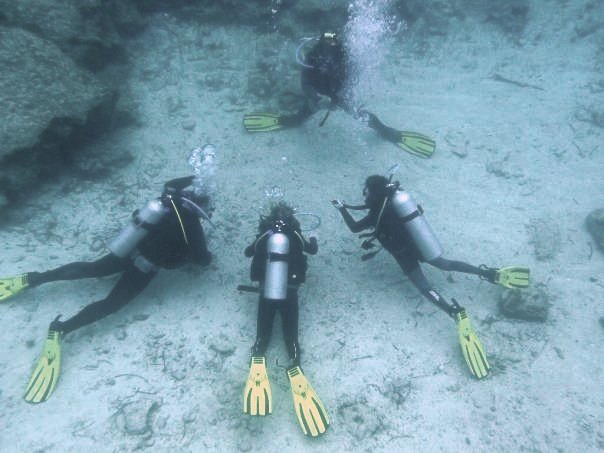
(412, 217)
(276, 274)
(125, 242)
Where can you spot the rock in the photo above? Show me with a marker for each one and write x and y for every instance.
(89, 32)
(189, 125)
(135, 418)
(546, 238)
(530, 304)
(48, 103)
(222, 344)
(510, 16)
(361, 423)
(458, 143)
(595, 225)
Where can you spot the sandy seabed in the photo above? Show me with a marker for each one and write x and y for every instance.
(167, 372)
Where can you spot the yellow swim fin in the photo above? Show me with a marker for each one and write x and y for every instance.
(46, 375)
(257, 393)
(10, 286)
(511, 277)
(415, 143)
(262, 122)
(311, 413)
(471, 348)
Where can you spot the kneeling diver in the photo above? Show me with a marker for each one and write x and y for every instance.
(325, 77)
(400, 227)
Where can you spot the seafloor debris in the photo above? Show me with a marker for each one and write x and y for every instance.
(530, 304)
(546, 238)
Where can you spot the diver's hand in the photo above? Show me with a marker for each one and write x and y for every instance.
(338, 204)
(323, 103)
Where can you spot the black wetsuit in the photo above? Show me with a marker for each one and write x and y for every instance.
(325, 74)
(163, 247)
(393, 236)
(287, 308)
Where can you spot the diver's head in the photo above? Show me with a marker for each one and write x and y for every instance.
(281, 219)
(375, 190)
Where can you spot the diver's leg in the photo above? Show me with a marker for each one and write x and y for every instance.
(266, 315)
(297, 118)
(130, 284)
(107, 265)
(412, 269)
(289, 316)
(456, 266)
(383, 131)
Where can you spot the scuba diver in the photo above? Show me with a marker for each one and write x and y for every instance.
(166, 233)
(400, 227)
(279, 265)
(325, 78)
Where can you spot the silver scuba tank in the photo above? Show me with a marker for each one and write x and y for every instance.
(413, 219)
(125, 242)
(276, 274)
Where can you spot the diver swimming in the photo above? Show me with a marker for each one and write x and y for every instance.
(279, 266)
(165, 233)
(399, 225)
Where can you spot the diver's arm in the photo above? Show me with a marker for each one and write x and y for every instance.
(354, 226)
(311, 246)
(307, 85)
(197, 243)
(249, 250)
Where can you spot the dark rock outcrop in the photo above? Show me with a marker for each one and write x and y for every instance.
(89, 32)
(531, 304)
(50, 107)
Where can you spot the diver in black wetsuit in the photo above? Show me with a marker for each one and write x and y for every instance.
(279, 266)
(399, 226)
(175, 239)
(280, 220)
(166, 233)
(325, 78)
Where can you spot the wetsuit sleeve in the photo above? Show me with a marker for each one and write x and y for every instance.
(197, 244)
(311, 246)
(177, 184)
(354, 226)
(250, 249)
(307, 80)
